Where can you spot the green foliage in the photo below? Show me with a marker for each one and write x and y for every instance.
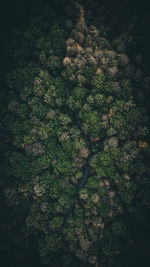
(55, 223)
(22, 77)
(89, 72)
(29, 139)
(99, 82)
(55, 134)
(58, 40)
(63, 166)
(44, 161)
(79, 92)
(92, 183)
(21, 166)
(38, 109)
(103, 42)
(67, 73)
(47, 130)
(127, 117)
(54, 189)
(23, 111)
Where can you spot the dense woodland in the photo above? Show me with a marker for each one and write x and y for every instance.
(75, 92)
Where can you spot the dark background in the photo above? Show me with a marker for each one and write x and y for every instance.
(17, 12)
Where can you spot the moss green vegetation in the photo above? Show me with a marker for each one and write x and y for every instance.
(74, 104)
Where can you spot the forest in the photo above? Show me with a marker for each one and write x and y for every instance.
(75, 133)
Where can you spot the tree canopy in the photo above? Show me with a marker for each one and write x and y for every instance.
(77, 140)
